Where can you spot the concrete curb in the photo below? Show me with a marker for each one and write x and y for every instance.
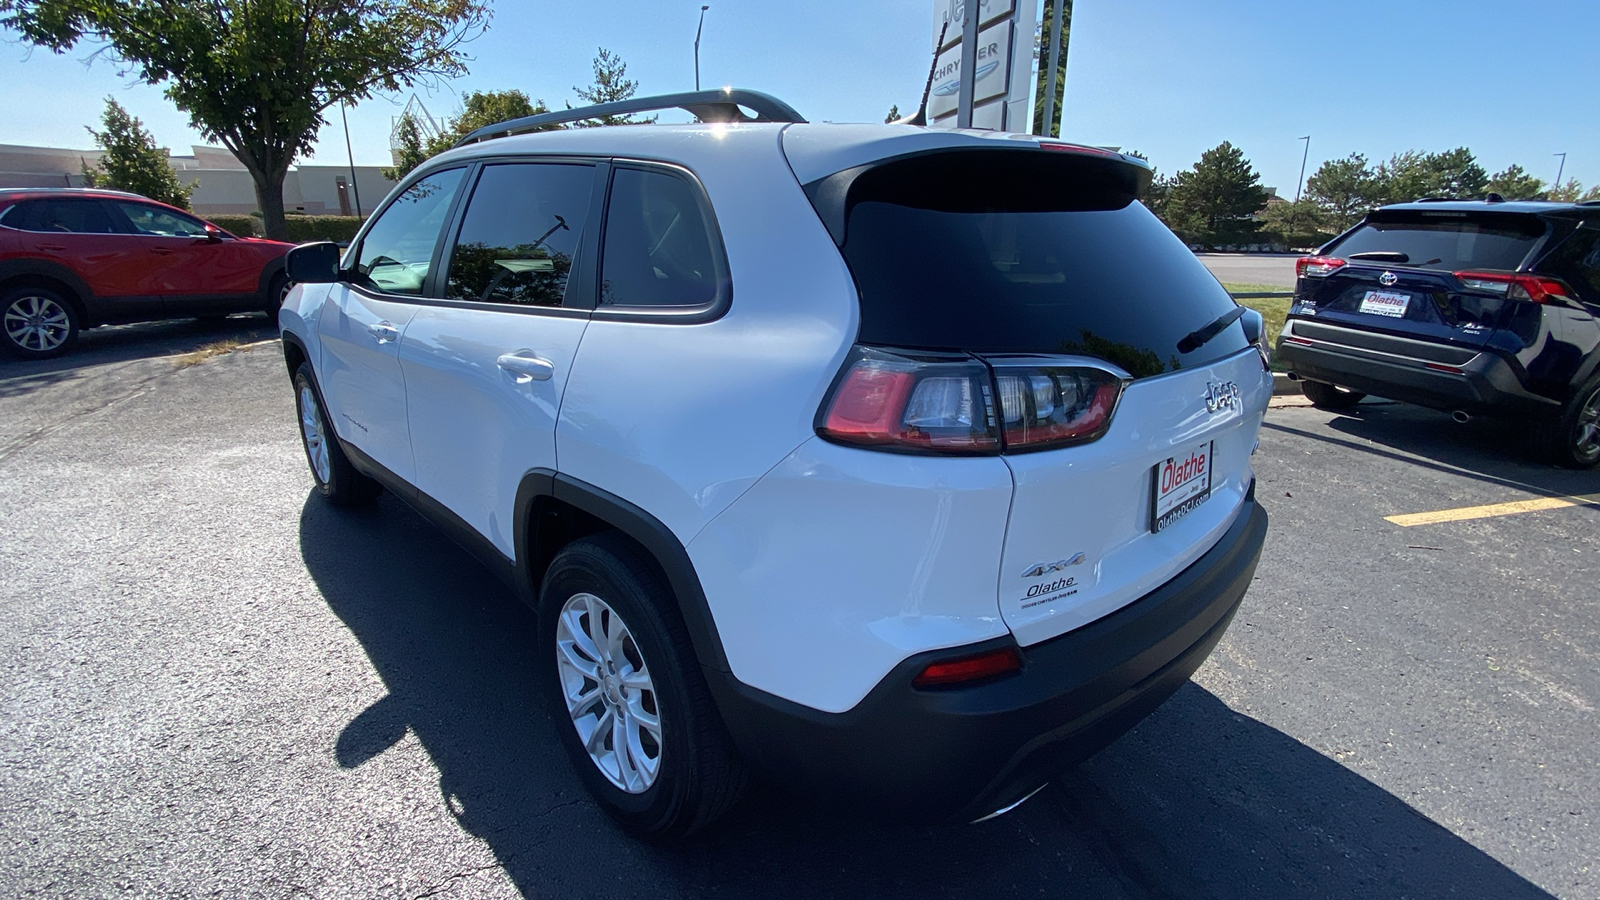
(1282, 384)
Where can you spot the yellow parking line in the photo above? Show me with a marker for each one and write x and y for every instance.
(1493, 509)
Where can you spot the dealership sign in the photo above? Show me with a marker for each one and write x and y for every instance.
(1003, 67)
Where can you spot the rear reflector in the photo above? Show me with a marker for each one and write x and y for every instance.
(1515, 286)
(1441, 367)
(1298, 340)
(1317, 266)
(970, 668)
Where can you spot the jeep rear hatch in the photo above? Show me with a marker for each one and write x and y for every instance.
(1023, 303)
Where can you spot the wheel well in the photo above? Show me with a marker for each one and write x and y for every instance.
(60, 287)
(294, 356)
(552, 525)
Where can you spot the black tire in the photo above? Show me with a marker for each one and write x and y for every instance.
(699, 774)
(1329, 396)
(1573, 440)
(337, 480)
(36, 322)
(277, 290)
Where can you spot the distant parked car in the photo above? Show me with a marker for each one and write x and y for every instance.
(72, 259)
(1470, 307)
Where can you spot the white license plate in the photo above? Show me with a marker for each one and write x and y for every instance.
(1182, 483)
(1385, 303)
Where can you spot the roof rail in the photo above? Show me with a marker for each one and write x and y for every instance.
(721, 105)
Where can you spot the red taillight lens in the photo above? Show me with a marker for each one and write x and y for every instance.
(1317, 266)
(914, 402)
(1516, 287)
(945, 403)
(969, 668)
(1050, 406)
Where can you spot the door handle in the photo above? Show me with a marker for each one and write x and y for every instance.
(526, 368)
(384, 332)
(162, 251)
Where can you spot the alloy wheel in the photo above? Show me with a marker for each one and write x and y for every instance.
(608, 692)
(1586, 431)
(315, 437)
(37, 323)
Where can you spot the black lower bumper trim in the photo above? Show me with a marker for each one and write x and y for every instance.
(962, 753)
(1485, 385)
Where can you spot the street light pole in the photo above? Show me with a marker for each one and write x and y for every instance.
(1303, 157)
(697, 30)
(351, 156)
(1560, 169)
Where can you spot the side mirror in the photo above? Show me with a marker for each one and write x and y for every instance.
(313, 263)
(1253, 324)
(214, 234)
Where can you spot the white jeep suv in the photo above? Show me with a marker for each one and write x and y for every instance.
(894, 464)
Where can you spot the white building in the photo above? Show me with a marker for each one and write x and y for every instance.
(224, 186)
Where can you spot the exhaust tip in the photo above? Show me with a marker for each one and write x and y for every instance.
(1294, 376)
(1461, 416)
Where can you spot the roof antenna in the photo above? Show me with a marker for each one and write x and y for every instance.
(920, 117)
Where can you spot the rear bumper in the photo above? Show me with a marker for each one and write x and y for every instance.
(1484, 384)
(964, 752)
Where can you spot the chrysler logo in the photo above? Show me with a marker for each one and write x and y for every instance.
(1220, 396)
(1388, 278)
(1058, 565)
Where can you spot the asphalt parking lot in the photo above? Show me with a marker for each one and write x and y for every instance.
(214, 684)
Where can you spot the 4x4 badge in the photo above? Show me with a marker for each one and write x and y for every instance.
(1058, 565)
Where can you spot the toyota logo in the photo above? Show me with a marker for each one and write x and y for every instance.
(1388, 278)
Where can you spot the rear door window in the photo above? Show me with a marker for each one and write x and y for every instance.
(1445, 240)
(81, 215)
(1012, 252)
(659, 248)
(397, 251)
(521, 232)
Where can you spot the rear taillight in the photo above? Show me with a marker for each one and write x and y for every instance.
(1052, 406)
(1514, 286)
(1317, 266)
(955, 403)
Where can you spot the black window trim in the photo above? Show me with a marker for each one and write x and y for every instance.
(698, 314)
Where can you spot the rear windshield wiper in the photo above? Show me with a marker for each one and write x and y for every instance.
(1393, 256)
(1197, 338)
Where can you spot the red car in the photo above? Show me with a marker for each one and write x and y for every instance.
(74, 258)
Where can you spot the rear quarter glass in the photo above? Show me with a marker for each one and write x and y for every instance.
(1026, 252)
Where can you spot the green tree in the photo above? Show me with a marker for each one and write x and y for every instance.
(1214, 202)
(1513, 183)
(1571, 191)
(132, 161)
(478, 109)
(1343, 190)
(611, 84)
(893, 116)
(257, 75)
(1412, 175)
(1041, 53)
(1300, 224)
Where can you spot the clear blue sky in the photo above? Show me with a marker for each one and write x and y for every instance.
(1514, 82)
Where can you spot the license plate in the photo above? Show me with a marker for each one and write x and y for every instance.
(1182, 483)
(1385, 303)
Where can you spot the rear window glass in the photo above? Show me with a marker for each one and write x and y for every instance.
(974, 252)
(71, 216)
(658, 248)
(1445, 241)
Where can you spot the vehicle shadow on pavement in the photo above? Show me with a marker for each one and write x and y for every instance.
(1199, 801)
(1489, 450)
(124, 343)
